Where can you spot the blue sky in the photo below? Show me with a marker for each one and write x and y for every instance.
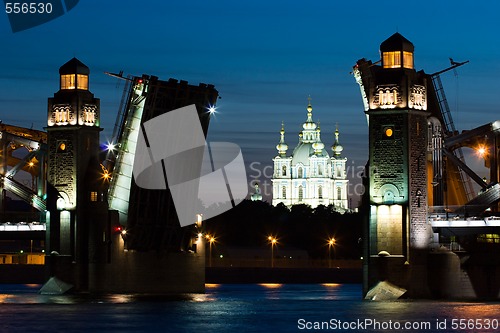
(264, 57)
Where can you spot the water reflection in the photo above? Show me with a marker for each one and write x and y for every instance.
(223, 308)
(211, 285)
(271, 285)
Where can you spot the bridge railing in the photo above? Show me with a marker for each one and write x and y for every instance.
(23, 226)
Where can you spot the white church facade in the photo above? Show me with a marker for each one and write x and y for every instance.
(309, 175)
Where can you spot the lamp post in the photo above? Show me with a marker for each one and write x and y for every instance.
(331, 244)
(273, 241)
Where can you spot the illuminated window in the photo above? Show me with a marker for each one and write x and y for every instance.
(391, 59)
(284, 192)
(62, 146)
(93, 196)
(68, 81)
(283, 170)
(301, 193)
(61, 115)
(489, 238)
(320, 192)
(407, 60)
(82, 82)
(388, 132)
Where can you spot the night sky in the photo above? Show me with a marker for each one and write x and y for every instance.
(264, 57)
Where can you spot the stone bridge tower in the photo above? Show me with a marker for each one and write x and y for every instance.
(395, 101)
(76, 195)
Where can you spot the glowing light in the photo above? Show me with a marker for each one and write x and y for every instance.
(105, 173)
(62, 146)
(388, 132)
(331, 241)
(124, 232)
(273, 240)
(31, 164)
(212, 109)
(481, 151)
(200, 235)
(110, 146)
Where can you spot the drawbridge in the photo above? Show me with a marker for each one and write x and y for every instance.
(22, 165)
(121, 150)
(466, 211)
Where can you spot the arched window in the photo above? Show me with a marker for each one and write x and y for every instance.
(283, 170)
(339, 171)
(300, 172)
(320, 192)
(301, 193)
(283, 192)
(339, 193)
(320, 169)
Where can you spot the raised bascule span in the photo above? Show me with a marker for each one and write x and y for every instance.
(124, 142)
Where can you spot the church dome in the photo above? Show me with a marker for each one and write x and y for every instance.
(257, 196)
(303, 151)
(282, 147)
(337, 147)
(318, 146)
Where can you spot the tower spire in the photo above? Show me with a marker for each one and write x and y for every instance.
(282, 147)
(309, 132)
(309, 110)
(337, 147)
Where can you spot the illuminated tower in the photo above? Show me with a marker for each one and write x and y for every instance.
(76, 194)
(395, 100)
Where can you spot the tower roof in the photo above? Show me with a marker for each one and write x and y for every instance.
(74, 66)
(397, 43)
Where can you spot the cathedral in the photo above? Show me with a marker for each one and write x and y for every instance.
(309, 175)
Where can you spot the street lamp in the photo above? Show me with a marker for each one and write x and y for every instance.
(211, 240)
(273, 241)
(331, 244)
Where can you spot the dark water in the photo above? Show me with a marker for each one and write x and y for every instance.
(238, 308)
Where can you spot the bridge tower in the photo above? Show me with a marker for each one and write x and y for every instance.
(76, 196)
(395, 101)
